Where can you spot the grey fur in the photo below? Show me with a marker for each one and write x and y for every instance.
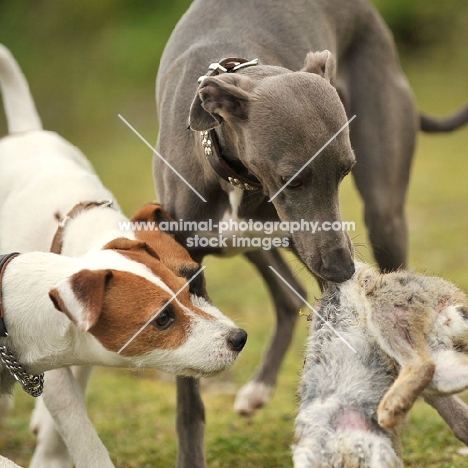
(353, 404)
(321, 62)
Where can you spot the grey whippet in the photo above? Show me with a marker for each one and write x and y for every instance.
(409, 335)
(321, 62)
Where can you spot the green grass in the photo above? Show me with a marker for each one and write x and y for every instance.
(134, 412)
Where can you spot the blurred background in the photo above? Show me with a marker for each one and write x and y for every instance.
(87, 62)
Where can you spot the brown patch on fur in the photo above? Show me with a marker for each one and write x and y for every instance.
(89, 287)
(169, 246)
(140, 252)
(130, 301)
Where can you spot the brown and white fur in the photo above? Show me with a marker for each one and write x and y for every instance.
(410, 334)
(51, 450)
(44, 175)
(105, 298)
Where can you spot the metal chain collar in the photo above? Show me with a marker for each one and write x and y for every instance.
(31, 383)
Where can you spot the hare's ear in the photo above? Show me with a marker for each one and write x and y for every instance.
(321, 63)
(219, 98)
(368, 278)
(81, 297)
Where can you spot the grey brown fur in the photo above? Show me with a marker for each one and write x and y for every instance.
(273, 118)
(411, 336)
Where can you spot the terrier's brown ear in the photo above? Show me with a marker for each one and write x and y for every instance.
(122, 243)
(81, 296)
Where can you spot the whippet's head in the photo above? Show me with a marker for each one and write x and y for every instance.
(289, 129)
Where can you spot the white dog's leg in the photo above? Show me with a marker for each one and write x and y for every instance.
(71, 418)
(50, 449)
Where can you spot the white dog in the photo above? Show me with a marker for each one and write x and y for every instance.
(43, 177)
(105, 298)
(49, 194)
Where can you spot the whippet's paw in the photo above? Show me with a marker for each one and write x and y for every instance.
(393, 410)
(252, 396)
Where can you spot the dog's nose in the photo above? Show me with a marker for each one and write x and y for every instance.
(338, 266)
(237, 339)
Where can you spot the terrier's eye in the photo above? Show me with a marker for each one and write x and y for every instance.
(165, 318)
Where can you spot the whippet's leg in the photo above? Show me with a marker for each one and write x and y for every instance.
(190, 424)
(256, 393)
(383, 136)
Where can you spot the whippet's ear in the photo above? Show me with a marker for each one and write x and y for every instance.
(219, 98)
(81, 296)
(321, 63)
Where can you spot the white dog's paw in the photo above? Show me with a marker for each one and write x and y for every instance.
(252, 396)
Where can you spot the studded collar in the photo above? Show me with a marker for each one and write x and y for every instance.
(209, 139)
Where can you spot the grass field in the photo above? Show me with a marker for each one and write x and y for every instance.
(134, 411)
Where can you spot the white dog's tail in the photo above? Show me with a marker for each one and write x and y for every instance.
(19, 105)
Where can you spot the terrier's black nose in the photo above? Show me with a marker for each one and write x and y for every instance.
(237, 339)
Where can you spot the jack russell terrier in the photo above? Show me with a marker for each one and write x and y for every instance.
(51, 450)
(409, 338)
(66, 207)
(106, 297)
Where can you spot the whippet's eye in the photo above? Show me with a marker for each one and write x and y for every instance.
(293, 182)
(349, 169)
(165, 318)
